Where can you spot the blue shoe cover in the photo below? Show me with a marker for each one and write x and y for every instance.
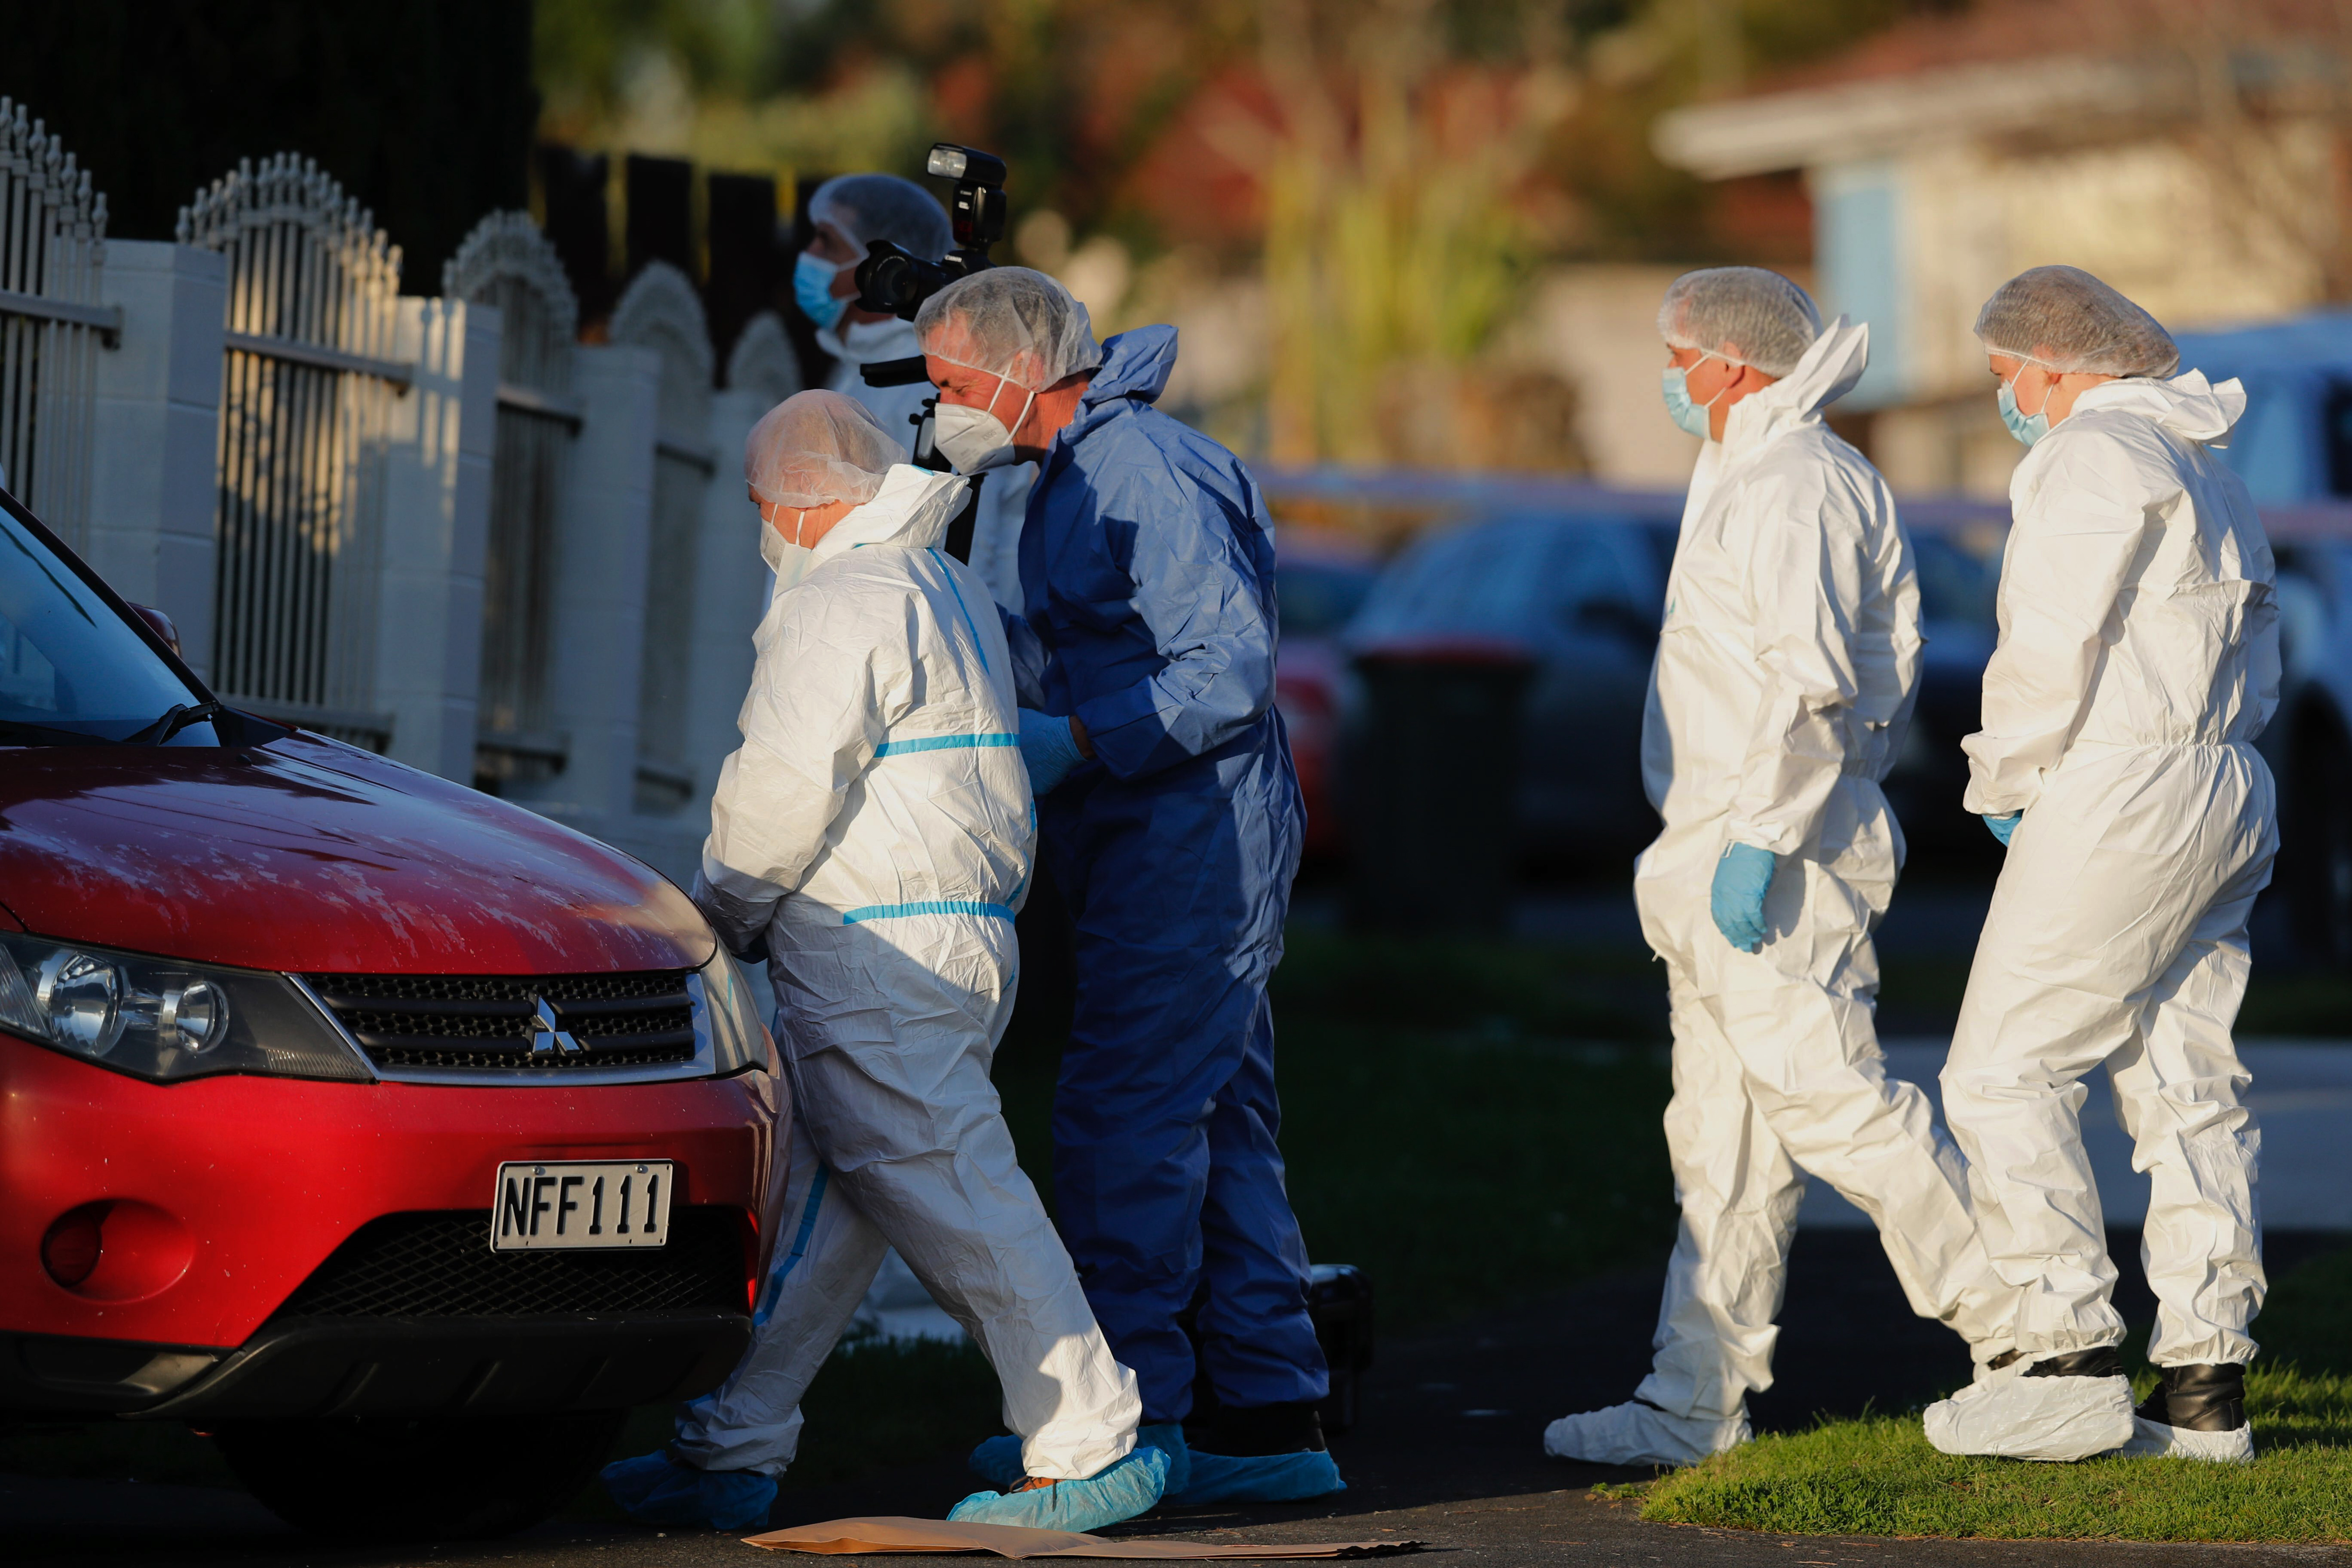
(1258, 1478)
(1121, 1491)
(654, 1489)
(997, 1460)
(1167, 1437)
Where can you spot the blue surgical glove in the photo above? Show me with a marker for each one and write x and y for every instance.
(2002, 826)
(1049, 749)
(1742, 877)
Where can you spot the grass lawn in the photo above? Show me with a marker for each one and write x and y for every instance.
(1878, 1476)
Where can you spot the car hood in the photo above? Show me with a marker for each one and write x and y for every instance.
(308, 854)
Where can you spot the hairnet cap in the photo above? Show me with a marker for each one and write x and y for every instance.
(2063, 317)
(1013, 322)
(817, 448)
(868, 208)
(1745, 314)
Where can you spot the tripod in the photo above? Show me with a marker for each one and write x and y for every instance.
(907, 373)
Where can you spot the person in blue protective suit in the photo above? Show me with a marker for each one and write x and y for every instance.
(1171, 819)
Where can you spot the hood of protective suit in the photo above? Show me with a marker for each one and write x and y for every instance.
(1135, 364)
(1827, 372)
(2188, 406)
(913, 508)
(863, 342)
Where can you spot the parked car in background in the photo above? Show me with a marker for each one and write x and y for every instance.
(1956, 549)
(1581, 595)
(2309, 743)
(1576, 574)
(1320, 581)
(398, 1138)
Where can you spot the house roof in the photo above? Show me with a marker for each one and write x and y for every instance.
(2001, 66)
(1997, 32)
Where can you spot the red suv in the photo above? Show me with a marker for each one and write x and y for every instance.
(397, 1138)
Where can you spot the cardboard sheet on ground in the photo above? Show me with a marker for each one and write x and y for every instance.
(843, 1536)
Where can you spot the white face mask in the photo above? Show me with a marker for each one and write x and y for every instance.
(974, 439)
(789, 561)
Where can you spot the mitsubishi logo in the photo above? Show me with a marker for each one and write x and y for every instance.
(550, 1036)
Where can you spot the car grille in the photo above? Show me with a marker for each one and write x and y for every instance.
(491, 1022)
(440, 1265)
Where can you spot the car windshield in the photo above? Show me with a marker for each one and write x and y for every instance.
(71, 671)
(1516, 577)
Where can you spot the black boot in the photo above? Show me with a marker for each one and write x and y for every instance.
(2099, 1361)
(2198, 1399)
(1262, 1429)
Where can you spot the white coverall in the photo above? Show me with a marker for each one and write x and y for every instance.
(1786, 670)
(877, 823)
(2139, 658)
(1004, 495)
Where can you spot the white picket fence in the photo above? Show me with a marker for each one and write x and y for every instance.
(52, 244)
(443, 529)
(506, 265)
(308, 382)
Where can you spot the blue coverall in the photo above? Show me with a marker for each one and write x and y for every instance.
(1148, 572)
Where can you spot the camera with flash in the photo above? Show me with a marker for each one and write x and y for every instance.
(891, 282)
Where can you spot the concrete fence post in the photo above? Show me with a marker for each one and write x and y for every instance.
(443, 433)
(155, 485)
(599, 602)
(730, 595)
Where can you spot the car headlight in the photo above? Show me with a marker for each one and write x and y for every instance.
(726, 1010)
(163, 1019)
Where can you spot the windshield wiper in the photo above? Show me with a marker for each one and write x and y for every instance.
(176, 719)
(15, 732)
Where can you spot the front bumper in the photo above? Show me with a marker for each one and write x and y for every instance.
(308, 1367)
(244, 1186)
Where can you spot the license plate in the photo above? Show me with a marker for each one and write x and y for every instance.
(581, 1203)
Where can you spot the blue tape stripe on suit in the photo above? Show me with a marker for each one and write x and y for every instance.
(928, 907)
(946, 743)
(800, 1247)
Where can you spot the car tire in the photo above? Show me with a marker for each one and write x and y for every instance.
(380, 1479)
(2316, 858)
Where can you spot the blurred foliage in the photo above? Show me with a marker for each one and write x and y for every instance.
(1394, 172)
(1077, 94)
(1070, 94)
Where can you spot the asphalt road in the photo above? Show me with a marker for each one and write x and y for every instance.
(1448, 1454)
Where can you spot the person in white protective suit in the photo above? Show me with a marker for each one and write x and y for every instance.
(846, 214)
(1786, 670)
(876, 833)
(2138, 660)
